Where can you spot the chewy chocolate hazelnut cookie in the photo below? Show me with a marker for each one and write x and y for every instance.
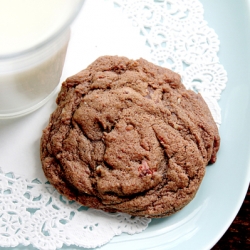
(127, 136)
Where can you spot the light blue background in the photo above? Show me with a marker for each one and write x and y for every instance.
(223, 189)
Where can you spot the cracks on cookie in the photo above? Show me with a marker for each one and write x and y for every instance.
(137, 106)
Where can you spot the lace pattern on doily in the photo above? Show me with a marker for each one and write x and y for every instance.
(178, 38)
(24, 217)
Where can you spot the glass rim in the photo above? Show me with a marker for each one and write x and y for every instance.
(50, 39)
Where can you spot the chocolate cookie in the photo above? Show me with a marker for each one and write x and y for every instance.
(127, 136)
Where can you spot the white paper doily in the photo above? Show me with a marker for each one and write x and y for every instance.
(171, 33)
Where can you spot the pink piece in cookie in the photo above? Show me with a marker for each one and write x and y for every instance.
(144, 169)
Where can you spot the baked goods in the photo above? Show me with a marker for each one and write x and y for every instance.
(127, 136)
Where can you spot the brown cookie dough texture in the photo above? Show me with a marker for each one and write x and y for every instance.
(127, 136)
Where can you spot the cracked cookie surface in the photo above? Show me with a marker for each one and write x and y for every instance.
(127, 136)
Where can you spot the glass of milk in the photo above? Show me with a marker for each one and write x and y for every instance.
(34, 35)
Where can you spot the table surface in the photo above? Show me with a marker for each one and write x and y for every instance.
(238, 234)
